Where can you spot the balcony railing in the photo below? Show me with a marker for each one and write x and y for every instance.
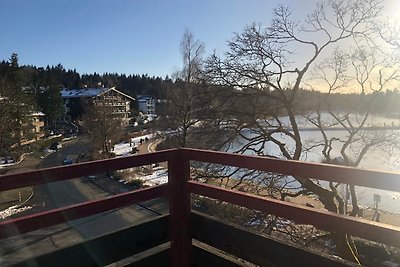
(176, 236)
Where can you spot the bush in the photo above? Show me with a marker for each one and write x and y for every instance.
(137, 183)
(373, 253)
(45, 143)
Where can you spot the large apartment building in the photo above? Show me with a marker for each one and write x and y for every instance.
(119, 103)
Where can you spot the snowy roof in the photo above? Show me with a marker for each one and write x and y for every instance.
(127, 96)
(37, 114)
(87, 92)
(144, 98)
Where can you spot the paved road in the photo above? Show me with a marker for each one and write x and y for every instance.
(63, 193)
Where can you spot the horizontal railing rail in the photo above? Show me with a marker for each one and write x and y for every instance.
(262, 250)
(84, 209)
(321, 219)
(60, 215)
(347, 175)
(60, 173)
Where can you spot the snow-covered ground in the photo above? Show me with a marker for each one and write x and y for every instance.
(136, 140)
(12, 211)
(156, 178)
(9, 162)
(3, 165)
(125, 148)
(159, 174)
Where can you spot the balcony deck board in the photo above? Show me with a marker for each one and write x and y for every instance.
(205, 256)
(106, 249)
(256, 248)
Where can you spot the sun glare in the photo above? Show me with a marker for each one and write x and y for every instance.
(392, 9)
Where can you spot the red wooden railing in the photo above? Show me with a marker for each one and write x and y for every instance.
(179, 189)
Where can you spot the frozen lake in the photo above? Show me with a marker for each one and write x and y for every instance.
(378, 158)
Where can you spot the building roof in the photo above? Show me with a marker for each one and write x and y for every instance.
(37, 114)
(144, 98)
(89, 92)
(113, 89)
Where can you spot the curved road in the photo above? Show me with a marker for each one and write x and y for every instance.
(63, 193)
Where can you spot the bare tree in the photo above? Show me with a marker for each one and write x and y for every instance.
(104, 127)
(188, 98)
(266, 62)
(366, 70)
(192, 51)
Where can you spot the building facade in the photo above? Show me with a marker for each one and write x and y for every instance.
(37, 122)
(147, 105)
(118, 102)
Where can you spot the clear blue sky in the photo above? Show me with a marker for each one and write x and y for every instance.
(123, 36)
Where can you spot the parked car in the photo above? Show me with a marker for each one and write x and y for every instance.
(6, 160)
(67, 161)
(55, 146)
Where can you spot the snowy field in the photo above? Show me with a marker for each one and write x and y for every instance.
(12, 211)
(158, 177)
(125, 148)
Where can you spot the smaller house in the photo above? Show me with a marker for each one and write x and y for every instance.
(147, 105)
(35, 130)
(37, 121)
(32, 124)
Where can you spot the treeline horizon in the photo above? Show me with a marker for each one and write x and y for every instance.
(143, 84)
(132, 84)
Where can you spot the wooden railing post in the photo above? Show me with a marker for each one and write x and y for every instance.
(179, 210)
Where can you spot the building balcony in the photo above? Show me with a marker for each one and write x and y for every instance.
(184, 237)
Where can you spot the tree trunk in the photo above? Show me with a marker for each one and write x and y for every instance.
(345, 247)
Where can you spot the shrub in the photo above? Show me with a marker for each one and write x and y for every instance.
(138, 183)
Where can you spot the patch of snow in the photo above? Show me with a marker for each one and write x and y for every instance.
(122, 149)
(12, 211)
(69, 138)
(159, 176)
(143, 137)
(156, 178)
(87, 92)
(7, 163)
(125, 148)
